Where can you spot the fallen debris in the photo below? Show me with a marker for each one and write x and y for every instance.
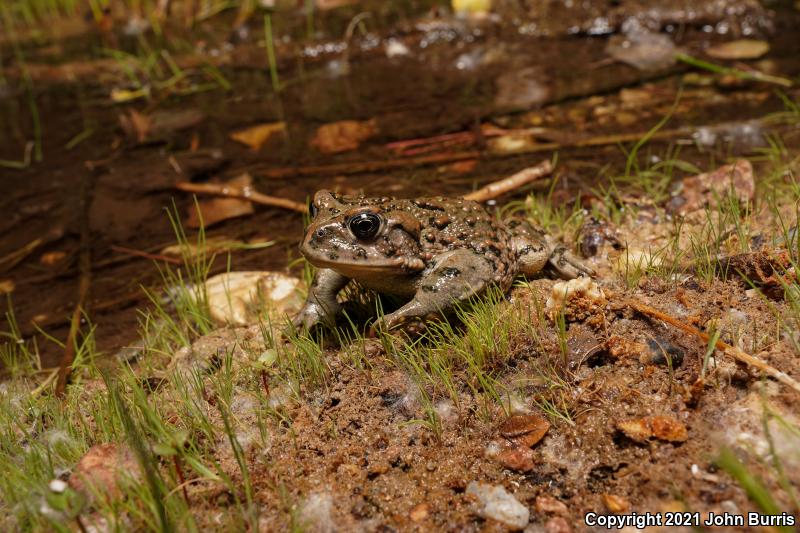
(577, 299)
(664, 428)
(159, 125)
(517, 458)
(513, 182)
(496, 503)
(256, 136)
(726, 348)
(241, 298)
(343, 136)
(245, 193)
(212, 211)
(518, 425)
(739, 49)
(616, 504)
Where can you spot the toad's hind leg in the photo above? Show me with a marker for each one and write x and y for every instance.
(567, 264)
(537, 250)
(455, 277)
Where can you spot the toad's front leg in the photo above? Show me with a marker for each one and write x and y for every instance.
(454, 277)
(321, 304)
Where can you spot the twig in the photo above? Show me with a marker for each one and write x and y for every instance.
(46, 383)
(244, 193)
(360, 167)
(724, 347)
(84, 283)
(515, 181)
(17, 256)
(146, 255)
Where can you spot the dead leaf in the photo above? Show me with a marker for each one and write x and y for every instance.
(239, 298)
(6, 286)
(343, 136)
(637, 430)
(664, 428)
(518, 425)
(739, 49)
(104, 469)
(668, 429)
(217, 209)
(256, 136)
(159, 125)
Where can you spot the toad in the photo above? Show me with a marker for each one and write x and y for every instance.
(433, 252)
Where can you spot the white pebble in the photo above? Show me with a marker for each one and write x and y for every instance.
(496, 503)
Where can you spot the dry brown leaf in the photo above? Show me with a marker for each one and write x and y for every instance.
(637, 430)
(739, 49)
(664, 428)
(256, 136)
(668, 428)
(526, 430)
(343, 136)
(217, 209)
(136, 125)
(159, 125)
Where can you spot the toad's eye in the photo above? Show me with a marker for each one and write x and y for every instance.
(312, 209)
(365, 226)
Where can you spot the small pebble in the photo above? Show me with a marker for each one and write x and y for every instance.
(419, 512)
(496, 503)
(549, 505)
(519, 459)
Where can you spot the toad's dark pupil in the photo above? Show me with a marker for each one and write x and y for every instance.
(365, 225)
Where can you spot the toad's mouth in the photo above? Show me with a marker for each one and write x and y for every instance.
(350, 267)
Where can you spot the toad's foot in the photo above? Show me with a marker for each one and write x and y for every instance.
(567, 264)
